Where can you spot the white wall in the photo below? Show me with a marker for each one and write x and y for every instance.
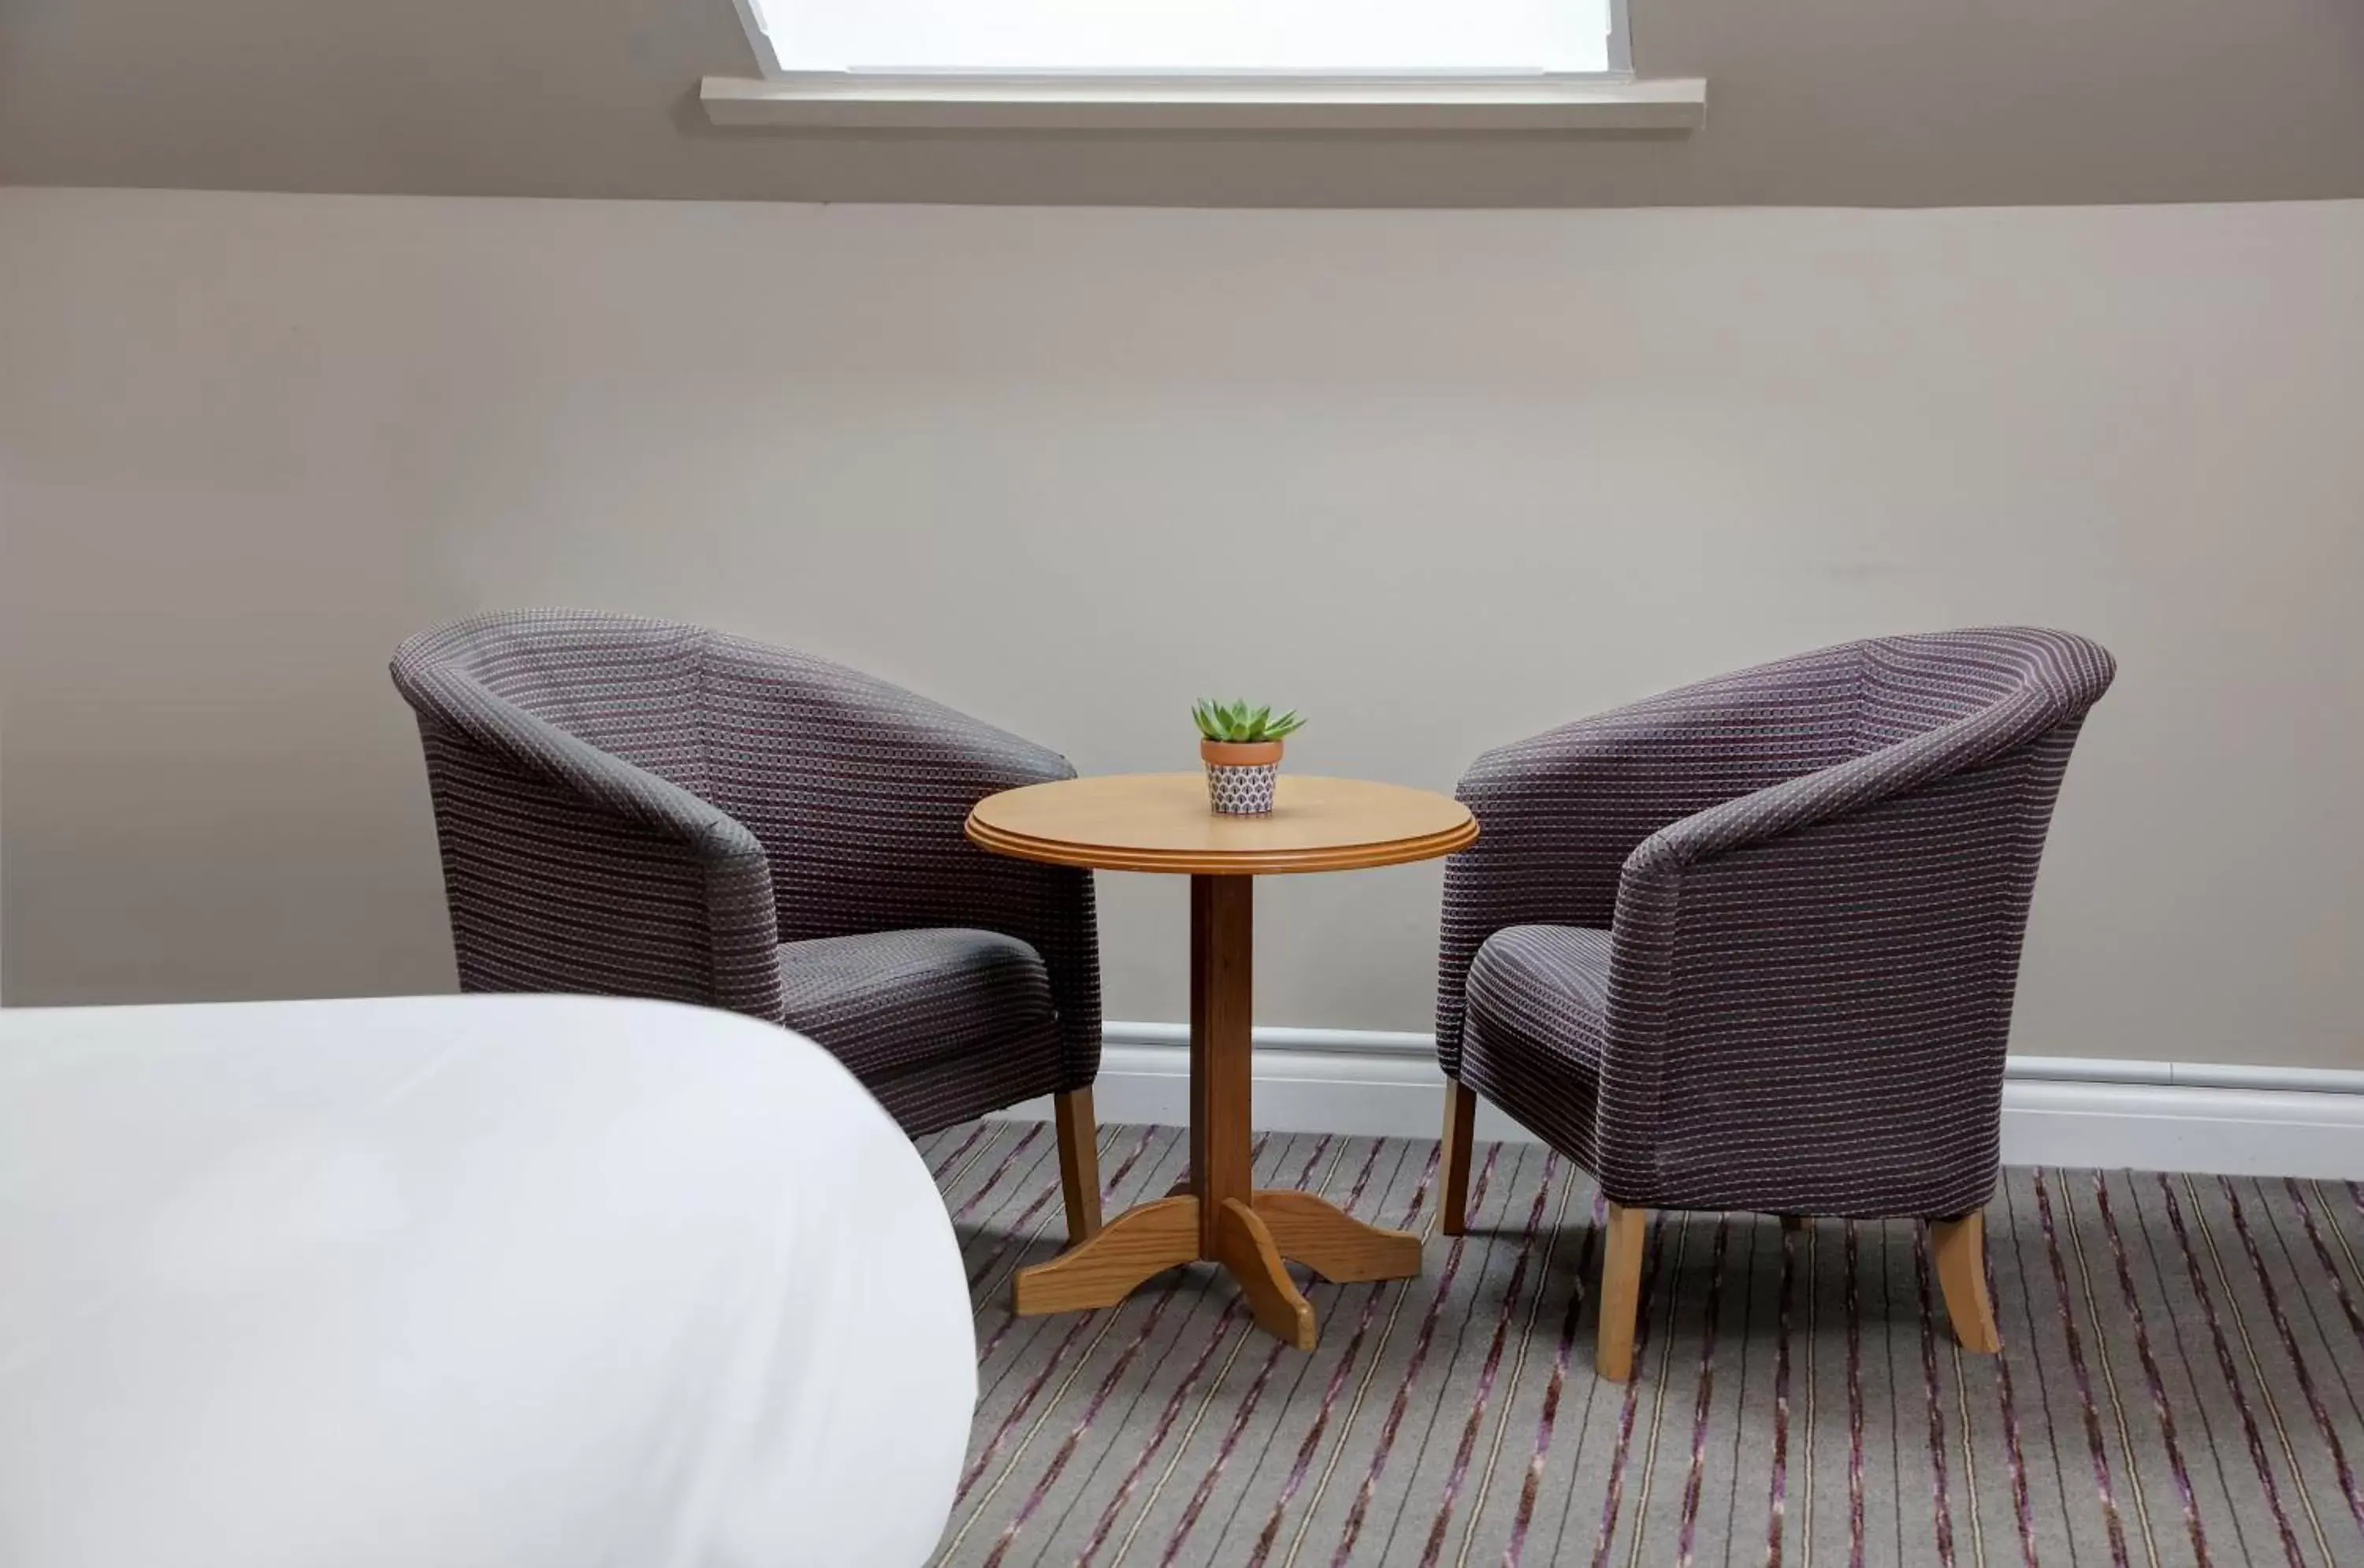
(1441, 479)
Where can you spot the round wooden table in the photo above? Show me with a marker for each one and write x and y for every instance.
(1161, 822)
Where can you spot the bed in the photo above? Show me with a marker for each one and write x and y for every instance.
(490, 1282)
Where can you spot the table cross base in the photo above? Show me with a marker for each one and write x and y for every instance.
(1252, 1237)
(1217, 1216)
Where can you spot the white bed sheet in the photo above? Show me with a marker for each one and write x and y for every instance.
(465, 1282)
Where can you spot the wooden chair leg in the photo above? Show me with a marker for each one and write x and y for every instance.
(1961, 1249)
(1460, 1112)
(1079, 1162)
(1621, 1292)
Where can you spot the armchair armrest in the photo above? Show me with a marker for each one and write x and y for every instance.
(858, 791)
(1811, 985)
(569, 869)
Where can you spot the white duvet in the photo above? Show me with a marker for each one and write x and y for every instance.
(511, 1281)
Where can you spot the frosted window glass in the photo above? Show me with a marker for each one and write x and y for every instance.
(1115, 36)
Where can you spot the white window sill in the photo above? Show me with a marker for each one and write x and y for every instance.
(846, 101)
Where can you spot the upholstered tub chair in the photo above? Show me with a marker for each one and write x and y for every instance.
(1751, 945)
(644, 809)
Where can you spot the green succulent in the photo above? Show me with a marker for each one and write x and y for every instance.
(1236, 723)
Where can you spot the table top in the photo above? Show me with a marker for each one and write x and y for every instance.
(1161, 822)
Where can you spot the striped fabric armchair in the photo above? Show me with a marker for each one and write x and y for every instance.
(643, 808)
(1752, 944)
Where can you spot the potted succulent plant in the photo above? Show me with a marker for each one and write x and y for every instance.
(1241, 747)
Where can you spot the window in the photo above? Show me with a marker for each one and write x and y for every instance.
(1323, 65)
(1133, 38)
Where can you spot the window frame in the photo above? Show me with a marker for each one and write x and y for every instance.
(1614, 100)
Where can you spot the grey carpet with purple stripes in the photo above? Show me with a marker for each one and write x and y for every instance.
(2181, 1381)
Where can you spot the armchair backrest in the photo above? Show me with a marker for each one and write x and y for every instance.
(858, 789)
(1907, 686)
(630, 687)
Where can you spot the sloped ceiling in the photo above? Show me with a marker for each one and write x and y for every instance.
(1811, 102)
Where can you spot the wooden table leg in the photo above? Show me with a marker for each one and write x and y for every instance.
(1222, 987)
(1245, 1248)
(1217, 1214)
(1222, 1002)
(1146, 1239)
(1332, 1243)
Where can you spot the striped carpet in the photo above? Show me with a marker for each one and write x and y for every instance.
(2181, 1382)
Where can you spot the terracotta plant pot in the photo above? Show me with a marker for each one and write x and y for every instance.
(1241, 775)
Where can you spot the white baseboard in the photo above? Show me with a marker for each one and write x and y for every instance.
(2232, 1121)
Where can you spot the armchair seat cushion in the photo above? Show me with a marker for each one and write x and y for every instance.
(891, 1002)
(1538, 1006)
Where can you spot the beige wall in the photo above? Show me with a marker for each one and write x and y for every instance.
(1826, 103)
(1442, 479)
